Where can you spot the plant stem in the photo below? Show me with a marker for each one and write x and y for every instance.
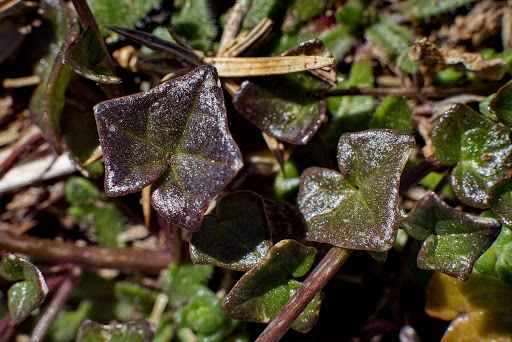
(234, 21)
(6, 328)
(58, 300)
(417, 172)
(315, 281)
(425, 92)
(94, 256)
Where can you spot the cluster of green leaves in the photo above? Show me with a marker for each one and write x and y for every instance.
(175, 138)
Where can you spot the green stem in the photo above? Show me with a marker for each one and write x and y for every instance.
(315, 281)
(94, 256)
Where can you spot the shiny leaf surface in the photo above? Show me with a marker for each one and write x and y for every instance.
(263, 291)
(480, 148)
(238, 237)
(453, 240)
(86, 57)
(501, 105)
(91, 331)
(501, 200)
(286, 107)
(357, 208)
(175, 134)
(29, 291)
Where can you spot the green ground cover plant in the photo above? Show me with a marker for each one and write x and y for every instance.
(231, 157)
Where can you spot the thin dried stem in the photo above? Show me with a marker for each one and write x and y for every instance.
(426, 92)
(93, 256)
(234, 21)
(58, 300)
(315, 281)
(418, 172)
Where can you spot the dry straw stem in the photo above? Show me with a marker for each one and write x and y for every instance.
(263, 66)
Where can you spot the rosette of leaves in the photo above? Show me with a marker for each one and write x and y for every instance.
(238, 237)
(356, 208)
(30, 289)
(479, 148)
(289, 107)
(453, 240)
(263, 291)
(174, 136)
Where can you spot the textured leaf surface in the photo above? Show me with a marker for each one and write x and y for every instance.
(480, 148)
(203, 316)
(91, 331)
(501, 200)
(263, 291)
(183, 282)
(357, 208)
(485, 302)
(286, 107)
(29, 291)
(86, 56)
(103, 219)
(453, 240)
(237, 238)
(501, 105)
(176, 133)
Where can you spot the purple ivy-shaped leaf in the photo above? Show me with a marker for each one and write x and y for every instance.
(454, 240)
(357, 208)
(175, 134)
(237, 238)
(480, 149)
(90, 331)
(29, 291)
(501, 200)
(263, 291)
(288, 107)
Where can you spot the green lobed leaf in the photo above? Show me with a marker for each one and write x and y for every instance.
(86, 57)
(501, 105)
(286, 107)
(194, 22)
(357, 208)
(29, 291)
(91, 209)
(237, 238)
(481, 308)
(176, 133)
(393, 113)
(422, 9)
(501, 200)
(480, 148)
(202, 315)
(453, 240)
(184, 281)
(90, 331)
(263, 291)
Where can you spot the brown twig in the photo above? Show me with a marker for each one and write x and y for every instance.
(426, 92)
(93, 256)
(315, 281)
(418, 172)
(234, 21)
(28, 145)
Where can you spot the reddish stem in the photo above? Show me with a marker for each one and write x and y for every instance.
(315, 281)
